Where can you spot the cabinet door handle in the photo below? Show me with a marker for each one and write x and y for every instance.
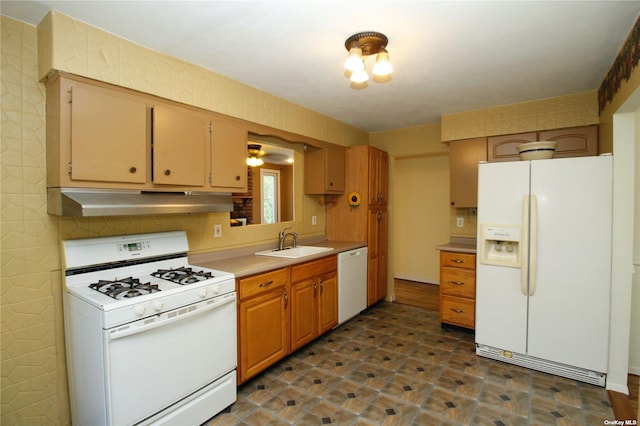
(457, 311)
(315, 289)
(458, 283)
(237, 177)
(321, 288)
(286, 300)
(133, 169)
(268, 283)
(167, 172)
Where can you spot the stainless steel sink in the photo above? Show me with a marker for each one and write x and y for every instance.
(294, 252)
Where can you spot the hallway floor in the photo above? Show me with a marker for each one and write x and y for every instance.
(395, 365)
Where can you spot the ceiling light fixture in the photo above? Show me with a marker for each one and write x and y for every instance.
(253, 159)
(365, 44)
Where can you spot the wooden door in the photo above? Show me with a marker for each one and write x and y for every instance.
(228, 156)
(505, 147)
(264, 337)
(373, 242)
(464, 156)
(180, 140)
(109, 136)
(383, 253)
(328, 302)
(304, 326)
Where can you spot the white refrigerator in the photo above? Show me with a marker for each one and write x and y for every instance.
(544, 265)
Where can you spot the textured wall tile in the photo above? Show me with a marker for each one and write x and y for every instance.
(70, 44)
(103, 56)
(133, 65)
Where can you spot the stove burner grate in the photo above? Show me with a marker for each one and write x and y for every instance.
(183, 275)
(124, 288)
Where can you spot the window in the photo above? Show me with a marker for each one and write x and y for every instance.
(270, 195)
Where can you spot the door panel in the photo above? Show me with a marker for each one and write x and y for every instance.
(501, 306)
(569, 310)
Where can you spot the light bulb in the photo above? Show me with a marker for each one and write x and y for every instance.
(354, 62)
(359, 76)
(383, 65)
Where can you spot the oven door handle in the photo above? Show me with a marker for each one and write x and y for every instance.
(169, 317)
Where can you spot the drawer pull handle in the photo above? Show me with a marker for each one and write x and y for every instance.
(458, 283)
(457, 311)
(268, 283)
(458, 261)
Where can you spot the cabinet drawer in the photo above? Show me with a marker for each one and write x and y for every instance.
(458, 282)
(313, 268)
(261, 283)
(458, 260)
(458, 311)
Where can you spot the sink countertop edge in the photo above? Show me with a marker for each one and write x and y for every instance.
(244, 265)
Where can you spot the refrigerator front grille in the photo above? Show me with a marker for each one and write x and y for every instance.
(545, 366)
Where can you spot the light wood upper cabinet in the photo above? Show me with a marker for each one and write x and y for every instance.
(228, 156)
(464, 156)
(180, 141)
(324, 170)
(572, 142)
(108, 136)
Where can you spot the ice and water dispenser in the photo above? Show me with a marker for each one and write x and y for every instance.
(500, 245)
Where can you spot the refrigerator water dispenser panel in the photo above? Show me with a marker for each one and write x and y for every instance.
(500, 245)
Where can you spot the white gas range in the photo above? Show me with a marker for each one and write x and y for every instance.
(150, 339)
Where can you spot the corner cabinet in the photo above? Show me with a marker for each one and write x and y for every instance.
(464, 156)
(367, 175)
(324, 170)
(458, 289)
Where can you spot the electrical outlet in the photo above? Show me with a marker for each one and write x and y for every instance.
(217, 230)
(460, 222)
(314, 220)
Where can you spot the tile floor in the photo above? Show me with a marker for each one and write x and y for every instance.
(395, 365)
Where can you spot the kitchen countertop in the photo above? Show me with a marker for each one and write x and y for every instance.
(460, 245)
(242, 262)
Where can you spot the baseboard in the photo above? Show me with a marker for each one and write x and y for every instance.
(415, 279)
(635, 370)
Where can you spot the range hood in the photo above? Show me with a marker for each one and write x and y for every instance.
(86, 202)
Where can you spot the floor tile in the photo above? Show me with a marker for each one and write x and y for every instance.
(395, 365)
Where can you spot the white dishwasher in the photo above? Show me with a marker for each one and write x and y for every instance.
(352, 283)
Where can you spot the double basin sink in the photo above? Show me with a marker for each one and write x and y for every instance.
(294, 252)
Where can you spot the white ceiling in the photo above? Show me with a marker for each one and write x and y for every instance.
(448, 56)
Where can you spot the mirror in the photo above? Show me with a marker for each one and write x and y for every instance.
(270, 195)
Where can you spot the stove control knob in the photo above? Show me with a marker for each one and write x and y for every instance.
(140, 310)
(203, 293)
(157, 306)
(215, 288)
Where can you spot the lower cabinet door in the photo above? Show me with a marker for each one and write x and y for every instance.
(304, 326)
(264, 332)
(328, 302)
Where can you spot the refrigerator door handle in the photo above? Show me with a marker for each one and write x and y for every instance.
(533, 244)
(524, 246)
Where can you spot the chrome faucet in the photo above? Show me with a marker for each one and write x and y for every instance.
(283, 236)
